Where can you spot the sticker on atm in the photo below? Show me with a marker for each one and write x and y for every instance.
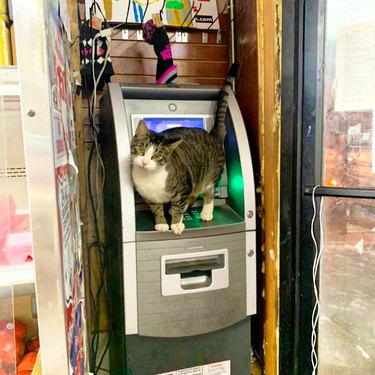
(218, 368)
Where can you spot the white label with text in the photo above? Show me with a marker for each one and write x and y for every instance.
(218, 368)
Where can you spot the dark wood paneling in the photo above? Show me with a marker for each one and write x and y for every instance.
(180, 80)
(214, 69)
(197, 62)
(180, 51)
(247, 93)
(194, 36)
(247, 85)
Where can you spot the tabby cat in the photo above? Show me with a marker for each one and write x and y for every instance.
(179, 164)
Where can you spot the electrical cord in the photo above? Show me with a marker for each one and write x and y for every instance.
(104, 33)
(318, 250)
(101, 289)
(97, 205)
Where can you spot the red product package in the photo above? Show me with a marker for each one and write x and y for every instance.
(7, 349)
(27, 363)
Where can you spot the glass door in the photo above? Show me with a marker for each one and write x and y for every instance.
(327, 210)
(346, 330)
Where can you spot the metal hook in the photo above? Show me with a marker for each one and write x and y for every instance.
(122, 25)
(195, 15)
(162, 10)
(127, 14)
(219, 15)
(234, 17)
(189, 13)
(144, 13)
(181, 26)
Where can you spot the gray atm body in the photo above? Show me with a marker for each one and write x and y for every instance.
(176, 296)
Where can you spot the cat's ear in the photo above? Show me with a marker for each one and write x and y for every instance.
(142, 130)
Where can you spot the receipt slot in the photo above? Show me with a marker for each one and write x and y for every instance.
(178, 304)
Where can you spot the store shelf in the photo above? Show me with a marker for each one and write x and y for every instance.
(17, 274)
(9, 85)
(13, 183)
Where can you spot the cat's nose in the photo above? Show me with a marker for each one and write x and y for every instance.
(144, 162)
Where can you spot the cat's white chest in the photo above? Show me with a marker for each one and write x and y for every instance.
(151, 185)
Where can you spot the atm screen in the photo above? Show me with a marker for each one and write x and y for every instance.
(158, 124)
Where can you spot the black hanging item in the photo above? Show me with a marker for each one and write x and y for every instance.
(166, 71)
(95, 48)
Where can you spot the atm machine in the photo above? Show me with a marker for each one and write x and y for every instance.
(179, 304)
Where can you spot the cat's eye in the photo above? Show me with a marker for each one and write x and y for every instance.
(138, 150)
(141, 150)
(157, 157)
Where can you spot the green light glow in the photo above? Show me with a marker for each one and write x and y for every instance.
(236, 183)
(236, 187)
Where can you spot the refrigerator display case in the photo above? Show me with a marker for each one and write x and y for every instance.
(42, 301)
(19, 341)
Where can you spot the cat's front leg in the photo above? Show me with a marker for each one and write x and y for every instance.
(161, 224)
(208, 205)
(177, 211)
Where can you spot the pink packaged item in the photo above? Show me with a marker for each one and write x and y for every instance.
(17, 248)
(7, 214)
(15, 235)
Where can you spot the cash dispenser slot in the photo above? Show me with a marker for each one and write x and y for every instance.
(194, 272)
(185, 266)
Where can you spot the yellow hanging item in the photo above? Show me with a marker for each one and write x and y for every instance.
(5, 41)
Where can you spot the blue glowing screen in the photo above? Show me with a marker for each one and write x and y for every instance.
(158, 124)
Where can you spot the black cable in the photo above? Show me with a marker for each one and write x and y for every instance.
(75, 39)
(94, 338)
(101, 287)
(102, 358)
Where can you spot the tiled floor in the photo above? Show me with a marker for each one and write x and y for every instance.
(347, 319)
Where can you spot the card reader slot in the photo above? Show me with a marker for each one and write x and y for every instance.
(189, 265)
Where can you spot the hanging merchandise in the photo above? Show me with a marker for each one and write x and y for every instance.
(177, 13)
(96, 65)
(5, 41)
(155, 34)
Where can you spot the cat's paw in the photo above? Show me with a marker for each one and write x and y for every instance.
(178, 228)
(161, 227)
(206, 215)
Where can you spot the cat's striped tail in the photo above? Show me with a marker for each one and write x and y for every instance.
(219, 130)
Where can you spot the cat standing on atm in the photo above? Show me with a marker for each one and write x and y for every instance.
(179, 164)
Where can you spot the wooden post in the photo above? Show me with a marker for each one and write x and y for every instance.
(269, 47)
